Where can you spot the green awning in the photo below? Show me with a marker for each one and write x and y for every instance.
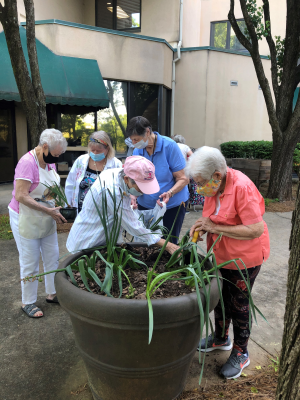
(65, 80)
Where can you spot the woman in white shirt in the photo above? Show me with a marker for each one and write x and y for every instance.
(101, 156)
(185, 149)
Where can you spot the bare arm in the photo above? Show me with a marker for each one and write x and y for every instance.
(189, 153)
(22, 196)
(171, 247)
(240, 232)
(180, 182)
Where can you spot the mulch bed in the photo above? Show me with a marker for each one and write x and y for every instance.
(138, 278)
(66, 227)
(261, 385)
(281, 206)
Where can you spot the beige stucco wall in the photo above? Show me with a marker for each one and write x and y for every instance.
(21, 130)
(208, 111)
(67, 10)
(160, 18)
(119, 57)
(89, 12)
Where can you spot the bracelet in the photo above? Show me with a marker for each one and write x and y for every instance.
(172, 194)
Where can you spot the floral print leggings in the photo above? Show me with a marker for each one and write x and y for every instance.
(236, 305)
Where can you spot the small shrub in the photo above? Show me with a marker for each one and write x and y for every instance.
(256, 149)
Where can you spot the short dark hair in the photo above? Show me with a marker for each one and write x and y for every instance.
(137, 126)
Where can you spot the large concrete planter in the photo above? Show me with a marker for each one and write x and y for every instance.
(112, 337)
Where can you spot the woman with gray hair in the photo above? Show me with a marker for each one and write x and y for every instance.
(234, 208)
(84, 172)
(33, 218)
(185, 150)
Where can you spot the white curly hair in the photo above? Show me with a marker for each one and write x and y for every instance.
(205, 161)
(53, 138)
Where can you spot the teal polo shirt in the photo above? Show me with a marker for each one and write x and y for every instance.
(167, 159)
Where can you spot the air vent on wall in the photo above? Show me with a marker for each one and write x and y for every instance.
(233, 83)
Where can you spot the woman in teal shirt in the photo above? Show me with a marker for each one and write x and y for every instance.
(169, 163)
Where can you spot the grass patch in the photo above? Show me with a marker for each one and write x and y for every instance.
(5, 229)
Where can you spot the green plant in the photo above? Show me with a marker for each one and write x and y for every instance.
(256, 149)
(269, 201)
(57, 193)
(274, 364)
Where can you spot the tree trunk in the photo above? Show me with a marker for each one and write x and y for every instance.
(280, 186)
(30, 88)
(289, 365)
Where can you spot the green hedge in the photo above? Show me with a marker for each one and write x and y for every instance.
(259, 149)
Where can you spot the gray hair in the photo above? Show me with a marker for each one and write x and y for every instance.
(205, 161)
(179, 139)
(53, 138)
(103, 136)
(122, 175)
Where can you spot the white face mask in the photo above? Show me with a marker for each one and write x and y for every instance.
(141, 144)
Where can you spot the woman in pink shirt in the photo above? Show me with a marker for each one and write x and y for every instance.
(33, 217)
(234, 208)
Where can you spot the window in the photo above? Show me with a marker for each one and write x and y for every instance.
(119, 14)
(126, 100)
(113, 120)
(223, 36)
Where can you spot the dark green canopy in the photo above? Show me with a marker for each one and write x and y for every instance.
(65, 80)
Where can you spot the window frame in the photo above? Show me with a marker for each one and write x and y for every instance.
(227, 47)
(115, 20)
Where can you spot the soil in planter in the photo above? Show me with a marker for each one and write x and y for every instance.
(138, 278)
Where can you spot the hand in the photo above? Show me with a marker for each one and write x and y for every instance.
(133, 202)
(56, 215)
(171, 248)
(203, 224)
(165, 198)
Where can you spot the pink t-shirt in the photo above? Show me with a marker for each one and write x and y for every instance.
(26, 169)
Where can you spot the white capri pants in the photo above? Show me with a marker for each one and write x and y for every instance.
(29, 257)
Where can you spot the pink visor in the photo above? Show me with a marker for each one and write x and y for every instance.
(142, 171)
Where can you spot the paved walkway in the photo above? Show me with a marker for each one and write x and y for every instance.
(39, 360)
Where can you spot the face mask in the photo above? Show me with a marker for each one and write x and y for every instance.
(210, 189)
(50, 159)
(97, 157)
(141, 144)
(134, 192)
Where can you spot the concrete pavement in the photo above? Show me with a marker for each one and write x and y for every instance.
(39, 359)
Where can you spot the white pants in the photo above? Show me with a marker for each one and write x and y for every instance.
(29, 257)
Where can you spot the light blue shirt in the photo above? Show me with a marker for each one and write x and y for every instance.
(167, 159)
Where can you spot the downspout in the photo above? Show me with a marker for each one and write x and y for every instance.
(174, 69)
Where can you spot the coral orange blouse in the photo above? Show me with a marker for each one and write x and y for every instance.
(240, 203)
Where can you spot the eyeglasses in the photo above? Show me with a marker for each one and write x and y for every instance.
(201, 184)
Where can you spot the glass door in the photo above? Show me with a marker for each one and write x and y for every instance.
(7, 146)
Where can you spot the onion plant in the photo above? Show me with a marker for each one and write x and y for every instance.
(185, 264)
(58, 194)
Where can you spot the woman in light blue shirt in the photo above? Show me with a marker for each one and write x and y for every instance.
(169, 163)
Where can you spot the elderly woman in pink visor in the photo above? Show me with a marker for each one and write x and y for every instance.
(136, 178)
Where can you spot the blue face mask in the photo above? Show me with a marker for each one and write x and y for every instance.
(97, 157)
(134, 192)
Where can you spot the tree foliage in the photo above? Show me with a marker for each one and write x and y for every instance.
(28, 82)
(285, 76)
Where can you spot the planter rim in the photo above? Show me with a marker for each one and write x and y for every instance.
(98, 307)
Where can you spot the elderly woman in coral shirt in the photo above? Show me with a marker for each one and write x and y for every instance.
(234, 208)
